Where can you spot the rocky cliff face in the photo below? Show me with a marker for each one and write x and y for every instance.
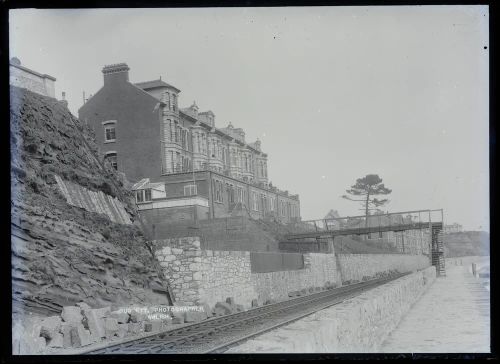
(63, 254)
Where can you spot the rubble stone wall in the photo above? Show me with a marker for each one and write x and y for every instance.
(318, 270)
(197, 276)
(353, 267)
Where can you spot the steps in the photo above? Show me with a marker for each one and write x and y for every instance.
(437, 250)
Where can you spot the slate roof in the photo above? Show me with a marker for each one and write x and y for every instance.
(146, 85)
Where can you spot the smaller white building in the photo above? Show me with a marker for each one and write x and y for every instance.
(152, 195)
(452, 228)
(23, 77)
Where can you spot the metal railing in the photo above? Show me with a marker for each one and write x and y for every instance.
(405, 220)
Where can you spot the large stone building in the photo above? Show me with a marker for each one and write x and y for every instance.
(184, 167)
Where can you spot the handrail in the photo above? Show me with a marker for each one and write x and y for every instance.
(374, 216)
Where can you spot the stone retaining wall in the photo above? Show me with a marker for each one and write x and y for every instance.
(358, 325)
(196, 276)
(204, 276)
(353, 267)
(318, 270)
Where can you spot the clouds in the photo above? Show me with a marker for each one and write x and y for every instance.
(339, 92)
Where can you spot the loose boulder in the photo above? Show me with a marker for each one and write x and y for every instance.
(95, 322)
(121, 317)
(138, 316)
(71, 314)
(75, 335)
(110, 327)
(50, 326)
(194, 316)
(178, 320)
(225, 307)
(56, 341)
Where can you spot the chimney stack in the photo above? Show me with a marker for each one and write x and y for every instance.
(63, 101)
(115, 73)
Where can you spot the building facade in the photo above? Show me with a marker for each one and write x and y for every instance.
(207, 172)
(452, 228)
(23, 77)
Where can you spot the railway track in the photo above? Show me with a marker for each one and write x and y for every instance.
(218, 334)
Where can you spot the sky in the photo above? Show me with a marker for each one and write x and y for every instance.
(333, 93)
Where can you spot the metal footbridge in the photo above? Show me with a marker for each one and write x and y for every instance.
(430, 222)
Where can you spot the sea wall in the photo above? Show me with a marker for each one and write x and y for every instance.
(358, 325)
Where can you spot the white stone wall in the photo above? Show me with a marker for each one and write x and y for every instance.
(180, 260)
(318, 269)
(196, 276)
(32, 82)
(226, 274)
(353, 267)
(204, 276)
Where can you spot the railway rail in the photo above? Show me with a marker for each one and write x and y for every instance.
(218, 334)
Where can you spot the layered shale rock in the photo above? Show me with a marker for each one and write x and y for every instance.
(63, 252)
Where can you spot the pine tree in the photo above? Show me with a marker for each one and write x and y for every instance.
(369, 186)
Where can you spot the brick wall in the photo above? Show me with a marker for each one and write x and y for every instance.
(138, 133)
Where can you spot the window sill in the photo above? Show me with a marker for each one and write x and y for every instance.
(146, 201)
(109, 141)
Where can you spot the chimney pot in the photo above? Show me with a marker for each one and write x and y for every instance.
(115, 72)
